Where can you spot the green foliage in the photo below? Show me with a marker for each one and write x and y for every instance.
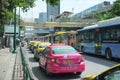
(103, 16)
(25, 4)
(98, 15)
(1, 31)
(116, 8)
(52, 2)
(7, 7)
(115, 11)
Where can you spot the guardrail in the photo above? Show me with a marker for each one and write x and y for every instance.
(27, 74)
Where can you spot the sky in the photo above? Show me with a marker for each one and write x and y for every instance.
(74, 6)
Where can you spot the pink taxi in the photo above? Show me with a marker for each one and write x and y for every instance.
(61, 58)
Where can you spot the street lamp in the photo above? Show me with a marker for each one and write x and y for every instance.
(14, 43)
(19, 27)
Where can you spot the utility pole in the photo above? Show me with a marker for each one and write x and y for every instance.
(14, 43)
(19, 22)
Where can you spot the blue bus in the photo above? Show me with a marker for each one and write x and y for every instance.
(101, 39)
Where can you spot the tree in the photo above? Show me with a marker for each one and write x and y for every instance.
(102, 16)
(53, 2)
(114, 12)
(25, 4)
(116, 8)
(3, 14)
(7, 8)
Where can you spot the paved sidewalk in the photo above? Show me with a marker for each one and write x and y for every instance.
(7, 61)
(18, 68)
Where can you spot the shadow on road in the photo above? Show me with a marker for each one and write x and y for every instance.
(31, 59)
(100, 60)
(28, 50)
(40, 75)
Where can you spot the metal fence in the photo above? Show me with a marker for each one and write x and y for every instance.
(27, 74)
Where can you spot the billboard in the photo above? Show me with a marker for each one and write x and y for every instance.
(9, 30)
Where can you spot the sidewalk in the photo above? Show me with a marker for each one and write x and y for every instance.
(18, 68)
(10, 65)
(7, 60)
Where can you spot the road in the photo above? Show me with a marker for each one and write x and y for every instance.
(94, 65)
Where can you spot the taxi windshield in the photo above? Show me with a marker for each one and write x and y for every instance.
(64, 50)
(43, 46)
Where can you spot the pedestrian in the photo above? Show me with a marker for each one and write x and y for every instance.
(0, 44)
(3, 42)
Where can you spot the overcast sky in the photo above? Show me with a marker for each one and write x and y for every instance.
(65, 5)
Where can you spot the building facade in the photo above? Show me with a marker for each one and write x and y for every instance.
(41, 30)
(43, 17)
(89, 11)
(52, 12)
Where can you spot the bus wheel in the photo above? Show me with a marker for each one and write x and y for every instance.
(108, 54)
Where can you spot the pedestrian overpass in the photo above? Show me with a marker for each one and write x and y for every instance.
(55, 24)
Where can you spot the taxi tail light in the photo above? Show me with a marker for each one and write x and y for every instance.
(80, 59)
(53, 60)
(57, 61)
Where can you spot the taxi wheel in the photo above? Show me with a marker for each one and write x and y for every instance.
(34, 51)
(35, 58)
(40, 67)
(47, 71)
(39, 63)
(78, 73)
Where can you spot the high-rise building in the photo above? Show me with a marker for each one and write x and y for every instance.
(40, 30)
(36, 19)
(43, 17)
(52, 12)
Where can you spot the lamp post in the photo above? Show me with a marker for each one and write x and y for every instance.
(14, 43)
(19, 22)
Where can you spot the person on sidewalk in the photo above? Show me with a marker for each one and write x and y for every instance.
(0, 44)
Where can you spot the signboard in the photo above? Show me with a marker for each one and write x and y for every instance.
(9, 30)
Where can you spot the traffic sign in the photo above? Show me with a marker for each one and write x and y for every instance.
(9, 30)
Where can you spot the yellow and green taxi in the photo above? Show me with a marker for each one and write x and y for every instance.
(31, 43)
(35, 45)
(112, 73)
(39, 48)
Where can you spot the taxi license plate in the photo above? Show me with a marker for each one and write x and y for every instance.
(68, 68)
(69, 62)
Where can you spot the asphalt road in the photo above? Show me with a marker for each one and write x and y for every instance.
(94, 65)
